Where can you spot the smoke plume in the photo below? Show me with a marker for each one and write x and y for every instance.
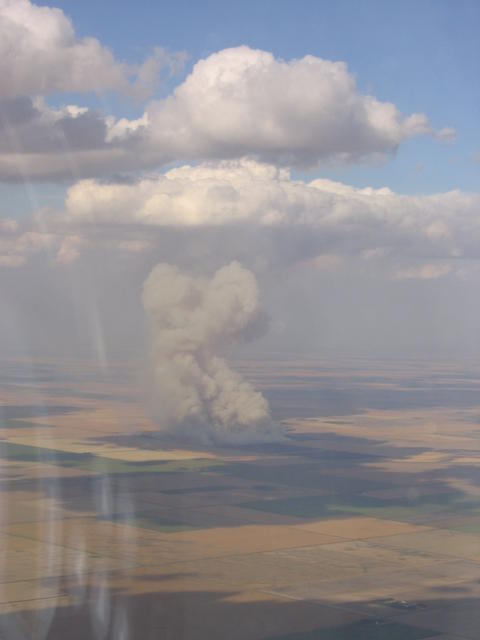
(197, 396)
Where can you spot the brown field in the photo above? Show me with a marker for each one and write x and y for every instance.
(365, 525)
(360, 528)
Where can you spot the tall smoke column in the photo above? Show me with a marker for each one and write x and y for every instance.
(197, 396)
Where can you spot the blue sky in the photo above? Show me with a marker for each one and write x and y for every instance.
(422, 56)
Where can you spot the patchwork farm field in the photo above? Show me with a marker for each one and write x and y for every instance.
(363, 525)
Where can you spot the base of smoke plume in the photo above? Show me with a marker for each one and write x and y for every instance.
(195, 432)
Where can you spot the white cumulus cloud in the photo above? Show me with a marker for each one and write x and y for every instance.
(321, 216)
(242, 101)
(235, 103)
(40, 53)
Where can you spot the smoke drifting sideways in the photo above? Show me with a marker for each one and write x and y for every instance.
(197, 397)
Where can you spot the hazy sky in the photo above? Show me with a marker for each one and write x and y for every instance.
(332, 149)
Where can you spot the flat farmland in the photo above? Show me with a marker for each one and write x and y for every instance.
(362, 525)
